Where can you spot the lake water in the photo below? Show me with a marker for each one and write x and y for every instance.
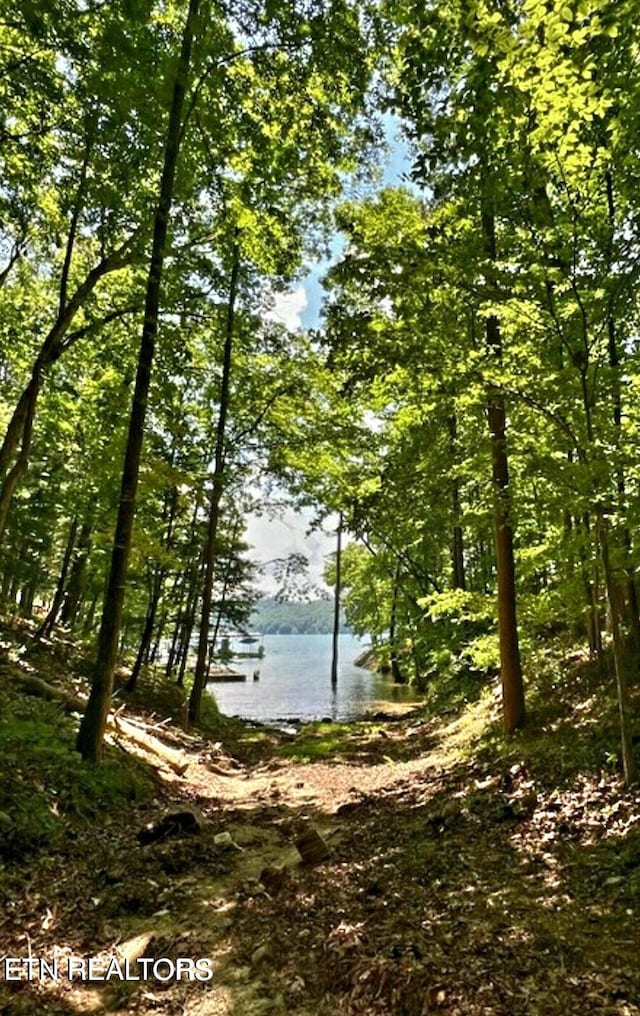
(295, 682)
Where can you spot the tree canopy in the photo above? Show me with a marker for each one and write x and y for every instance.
(467, 402)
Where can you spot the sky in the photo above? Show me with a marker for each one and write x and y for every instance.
(300, 309)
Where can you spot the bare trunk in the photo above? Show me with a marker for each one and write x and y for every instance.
(47, 625)
(457, 539)
(16, 446)
(620, 657)
(77, 576)
(91, 733)
(396, 673)
(19, 432)
(336, 606)
(513, 704)
(199, 679)
(188, 627)
(631, 610)
(223, 597)
(157, 585)
(145, 638)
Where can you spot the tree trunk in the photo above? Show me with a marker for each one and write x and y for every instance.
(47, 625)
(457, 540)
(157, 585)
(591, 584)
(223, 596)
(19, 432)
(27, 595)
(145, 638)
(189, 577)
(396, 673)
(16, 446)
(199, 679)
(87, 627)
(620, 657)
(76, 578)
(336, 606)
(91, 733)
(187, 632)
(513, 705)
(632, 609)
(177, 628)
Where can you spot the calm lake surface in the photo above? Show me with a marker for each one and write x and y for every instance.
(295, 682)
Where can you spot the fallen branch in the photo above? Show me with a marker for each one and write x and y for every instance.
(174, 759)
(126, 729)
(33, 685)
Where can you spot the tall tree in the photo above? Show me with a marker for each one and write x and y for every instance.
(92, 727)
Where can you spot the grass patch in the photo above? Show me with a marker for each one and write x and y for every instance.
(322, 740)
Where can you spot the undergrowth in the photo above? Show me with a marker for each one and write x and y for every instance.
(45, 782)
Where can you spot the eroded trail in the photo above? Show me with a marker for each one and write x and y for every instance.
(456, 883)
(323, 786)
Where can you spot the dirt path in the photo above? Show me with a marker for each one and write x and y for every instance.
(455, 885)
(323, 786)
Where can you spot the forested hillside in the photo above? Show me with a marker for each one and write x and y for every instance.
(277, 617)
(463, 418)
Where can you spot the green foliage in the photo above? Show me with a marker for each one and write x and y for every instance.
(46, 788)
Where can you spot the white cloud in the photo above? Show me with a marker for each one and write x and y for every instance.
(288, 308)
(279, 537)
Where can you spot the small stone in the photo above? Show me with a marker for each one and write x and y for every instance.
(136, 947)
(187, 820)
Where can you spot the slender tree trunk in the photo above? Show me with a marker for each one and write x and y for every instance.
(91, 733)
(590, 579)
(513, 704)
(154, 649)
(27, 595)
(75, 584)
(620, 657)
(632, 607)
(178, 624)
(337, 589)
(621, 654)
(396, 673)
(145, 638)
(199, 679)
(20, 432)
(186, 584)
(223, 596)
(189, 625)
(16, 446)
(47, 625)
(7, 576)
(157, 585)
(87, 627)
(457, 539)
